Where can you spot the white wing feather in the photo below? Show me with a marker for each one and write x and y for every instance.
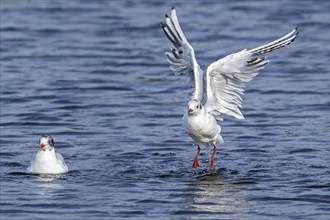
(225, 78)
(182, 58)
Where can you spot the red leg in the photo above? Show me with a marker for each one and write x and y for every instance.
(212, 157)
(196, 164)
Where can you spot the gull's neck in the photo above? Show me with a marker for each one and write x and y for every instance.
(47, 151)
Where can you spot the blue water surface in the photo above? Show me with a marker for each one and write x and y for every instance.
(93, 74)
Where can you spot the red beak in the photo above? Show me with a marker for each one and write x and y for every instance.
(190, 110)
(42, 145)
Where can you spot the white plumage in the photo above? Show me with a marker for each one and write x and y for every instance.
(47, 161)
(225, 79)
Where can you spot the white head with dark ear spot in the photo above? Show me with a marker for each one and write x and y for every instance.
(194, 107)
(46, 142)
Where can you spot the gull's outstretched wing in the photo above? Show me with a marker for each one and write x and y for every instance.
(182, 58)
(225, 78)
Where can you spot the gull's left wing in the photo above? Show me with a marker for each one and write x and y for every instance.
(225, 78)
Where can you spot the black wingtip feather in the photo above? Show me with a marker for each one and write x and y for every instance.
(170, 35)
(297, 30)
(173, 7)
(175, 54)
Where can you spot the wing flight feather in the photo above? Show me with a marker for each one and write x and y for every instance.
(225, 78)
(182, 57)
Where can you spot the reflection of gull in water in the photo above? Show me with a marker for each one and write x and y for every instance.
(215, 197)
(48, 183)
(48, 178)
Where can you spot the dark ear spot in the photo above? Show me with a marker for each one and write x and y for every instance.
(51, 142)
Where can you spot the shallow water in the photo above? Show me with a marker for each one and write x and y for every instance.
(94, 76)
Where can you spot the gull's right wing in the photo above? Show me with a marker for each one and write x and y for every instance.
(182, 58)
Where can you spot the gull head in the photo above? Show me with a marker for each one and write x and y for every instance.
(46, 142)
(194, 107)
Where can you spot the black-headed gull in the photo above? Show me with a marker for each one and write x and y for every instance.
(225, 80)
(47, 161)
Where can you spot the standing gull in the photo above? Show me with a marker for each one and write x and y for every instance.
(225, 80)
